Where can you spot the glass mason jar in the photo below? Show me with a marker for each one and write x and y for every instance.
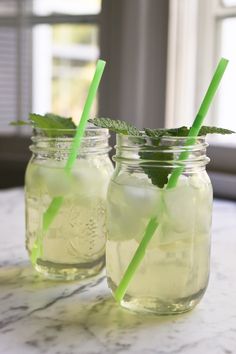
(72, 246)
(173, 274)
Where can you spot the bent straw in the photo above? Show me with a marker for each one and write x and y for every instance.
(56, 203)
(153, 223)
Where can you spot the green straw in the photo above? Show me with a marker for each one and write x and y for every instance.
(153, 223)
(56, 203)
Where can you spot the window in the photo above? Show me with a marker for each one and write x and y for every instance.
(133, 41)
(67, 54)
(200, 32)
(226, 18)
(48, 54)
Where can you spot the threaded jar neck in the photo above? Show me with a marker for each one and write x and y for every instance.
(164, 151)
(57, 143)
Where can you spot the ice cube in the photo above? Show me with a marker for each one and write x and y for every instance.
(131, 203)
(122, 223)
(203, 207)
(166, 236)
(179, 206)
(88, 180)
(44, 179)
(137, 194)
(170, 235)
(57, 181)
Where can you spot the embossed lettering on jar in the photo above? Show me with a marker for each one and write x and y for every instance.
(74, 244)
(173, 274)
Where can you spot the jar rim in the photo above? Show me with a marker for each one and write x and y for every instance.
(168, 137)
(69, 132)
(144, 141)
(158, 151)
(94, 140)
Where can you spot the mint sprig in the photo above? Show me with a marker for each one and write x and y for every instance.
(117, 126)
(52, 125)
(184, 131)
(158, 174)
(122, 127)
(19, 123)
(155, 164)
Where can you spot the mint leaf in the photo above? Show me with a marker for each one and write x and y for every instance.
(121, 127)
(214, 130)
(183, 131)
(155, 164)
(19, 123)
(158, 175)
(155, 133)
(117, 126)
(53, 125)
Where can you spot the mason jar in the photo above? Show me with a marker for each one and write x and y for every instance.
(173, 273)
(72, 244)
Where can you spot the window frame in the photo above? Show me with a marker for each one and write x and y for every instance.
(21, 20)
(193, 28)
(134, 43)
(14, 145)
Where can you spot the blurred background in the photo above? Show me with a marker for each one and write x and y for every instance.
(160, 58)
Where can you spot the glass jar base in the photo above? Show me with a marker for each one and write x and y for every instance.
(150, 305)
(69, 272)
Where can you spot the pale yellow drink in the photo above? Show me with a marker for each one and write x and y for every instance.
(74, 244)
(174, 272)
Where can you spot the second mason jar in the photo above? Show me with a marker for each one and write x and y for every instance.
(173, 274)
(73, 245)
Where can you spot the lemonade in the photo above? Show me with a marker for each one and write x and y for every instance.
(74, 244)
(159, 213)
(174, 272)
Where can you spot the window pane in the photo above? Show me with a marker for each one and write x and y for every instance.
(229, 2)
(15, 76)
(8, 74)
(69, 7)
(66, 55)
(8, 7)
(226, 107)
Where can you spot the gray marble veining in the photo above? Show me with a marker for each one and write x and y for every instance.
(40, 316)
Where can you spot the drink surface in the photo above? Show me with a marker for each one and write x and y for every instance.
(174, 272)
(73, 246)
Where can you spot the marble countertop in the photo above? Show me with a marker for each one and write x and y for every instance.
(39, 316)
